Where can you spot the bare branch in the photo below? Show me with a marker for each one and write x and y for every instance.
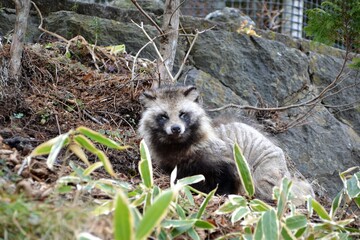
(169, 40)
(44, 30)
(16, 50)
(141, 26)
(147, 16)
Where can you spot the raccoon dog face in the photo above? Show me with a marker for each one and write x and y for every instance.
(172, 114)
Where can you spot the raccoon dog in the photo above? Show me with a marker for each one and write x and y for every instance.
(179, 133)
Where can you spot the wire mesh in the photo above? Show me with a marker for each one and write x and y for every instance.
(283, 16)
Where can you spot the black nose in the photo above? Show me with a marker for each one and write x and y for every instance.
(175, 129)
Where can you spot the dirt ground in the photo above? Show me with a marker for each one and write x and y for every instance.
(57, 93)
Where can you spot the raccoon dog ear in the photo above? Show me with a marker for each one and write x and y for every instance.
(191, 93)
(148, 95)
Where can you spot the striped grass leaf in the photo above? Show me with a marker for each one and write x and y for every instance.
(344, 174)
(193, 234)
(92, 168)
(77, 150)
(336, 203)
(300, 232)
(258, 233)
(270, 225)
(204, 224)
(85, 143)
(244, 171)
(320, 210)
(180, 211)
(237, 200)
(309, 206)
(226, 208)
(154, 214)
(98, 137)
(106, 162)
(205, 203)
(55, 150)
(189, 195)
(190, 180)
(286, 234)
(86, 236)
(45, 148)
(104, 208)
(357, 201)
(239, 213)
(145, 167)
(123, 218)
(259, 206)
(283, 196)
(353, 186)
(296, 222)
(186, 223)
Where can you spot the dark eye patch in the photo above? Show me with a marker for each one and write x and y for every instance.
(162, 118)
(185, 116)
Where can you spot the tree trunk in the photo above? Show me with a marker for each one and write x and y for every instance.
(22, 15)
(169, 40)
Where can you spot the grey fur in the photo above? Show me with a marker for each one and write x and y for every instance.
(179, 133)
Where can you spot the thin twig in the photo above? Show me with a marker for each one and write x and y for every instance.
(155, 47)
(188, 52)
(44, 30)
(147, 16)
(57, 123)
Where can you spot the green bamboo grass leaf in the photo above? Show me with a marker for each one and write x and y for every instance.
(270, 225)
(68, 179)
(259, 206)
(320, 210)
(300, 232)
(98, 137)
(180, 211)
(357, 201)
(190, 180)
(106, 162)
(296, 222)
(239, 213)
(187, 223)
(258, 233)
(244, 171)
(92, 168)
(205, 203)
(347, 172)
(85, 143)
(104, 208)
(154, 214)
(55, 150)
(226, 208)
(173, 176)
(44, 148)
(309, 206)
(193, 234)
(336, 204)
(287, 234)
(145, 166)
(189, 195)
(237, 200)
(353, 186)
(204, 224)
(77, 150)
(123, 218)
(283, 197)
